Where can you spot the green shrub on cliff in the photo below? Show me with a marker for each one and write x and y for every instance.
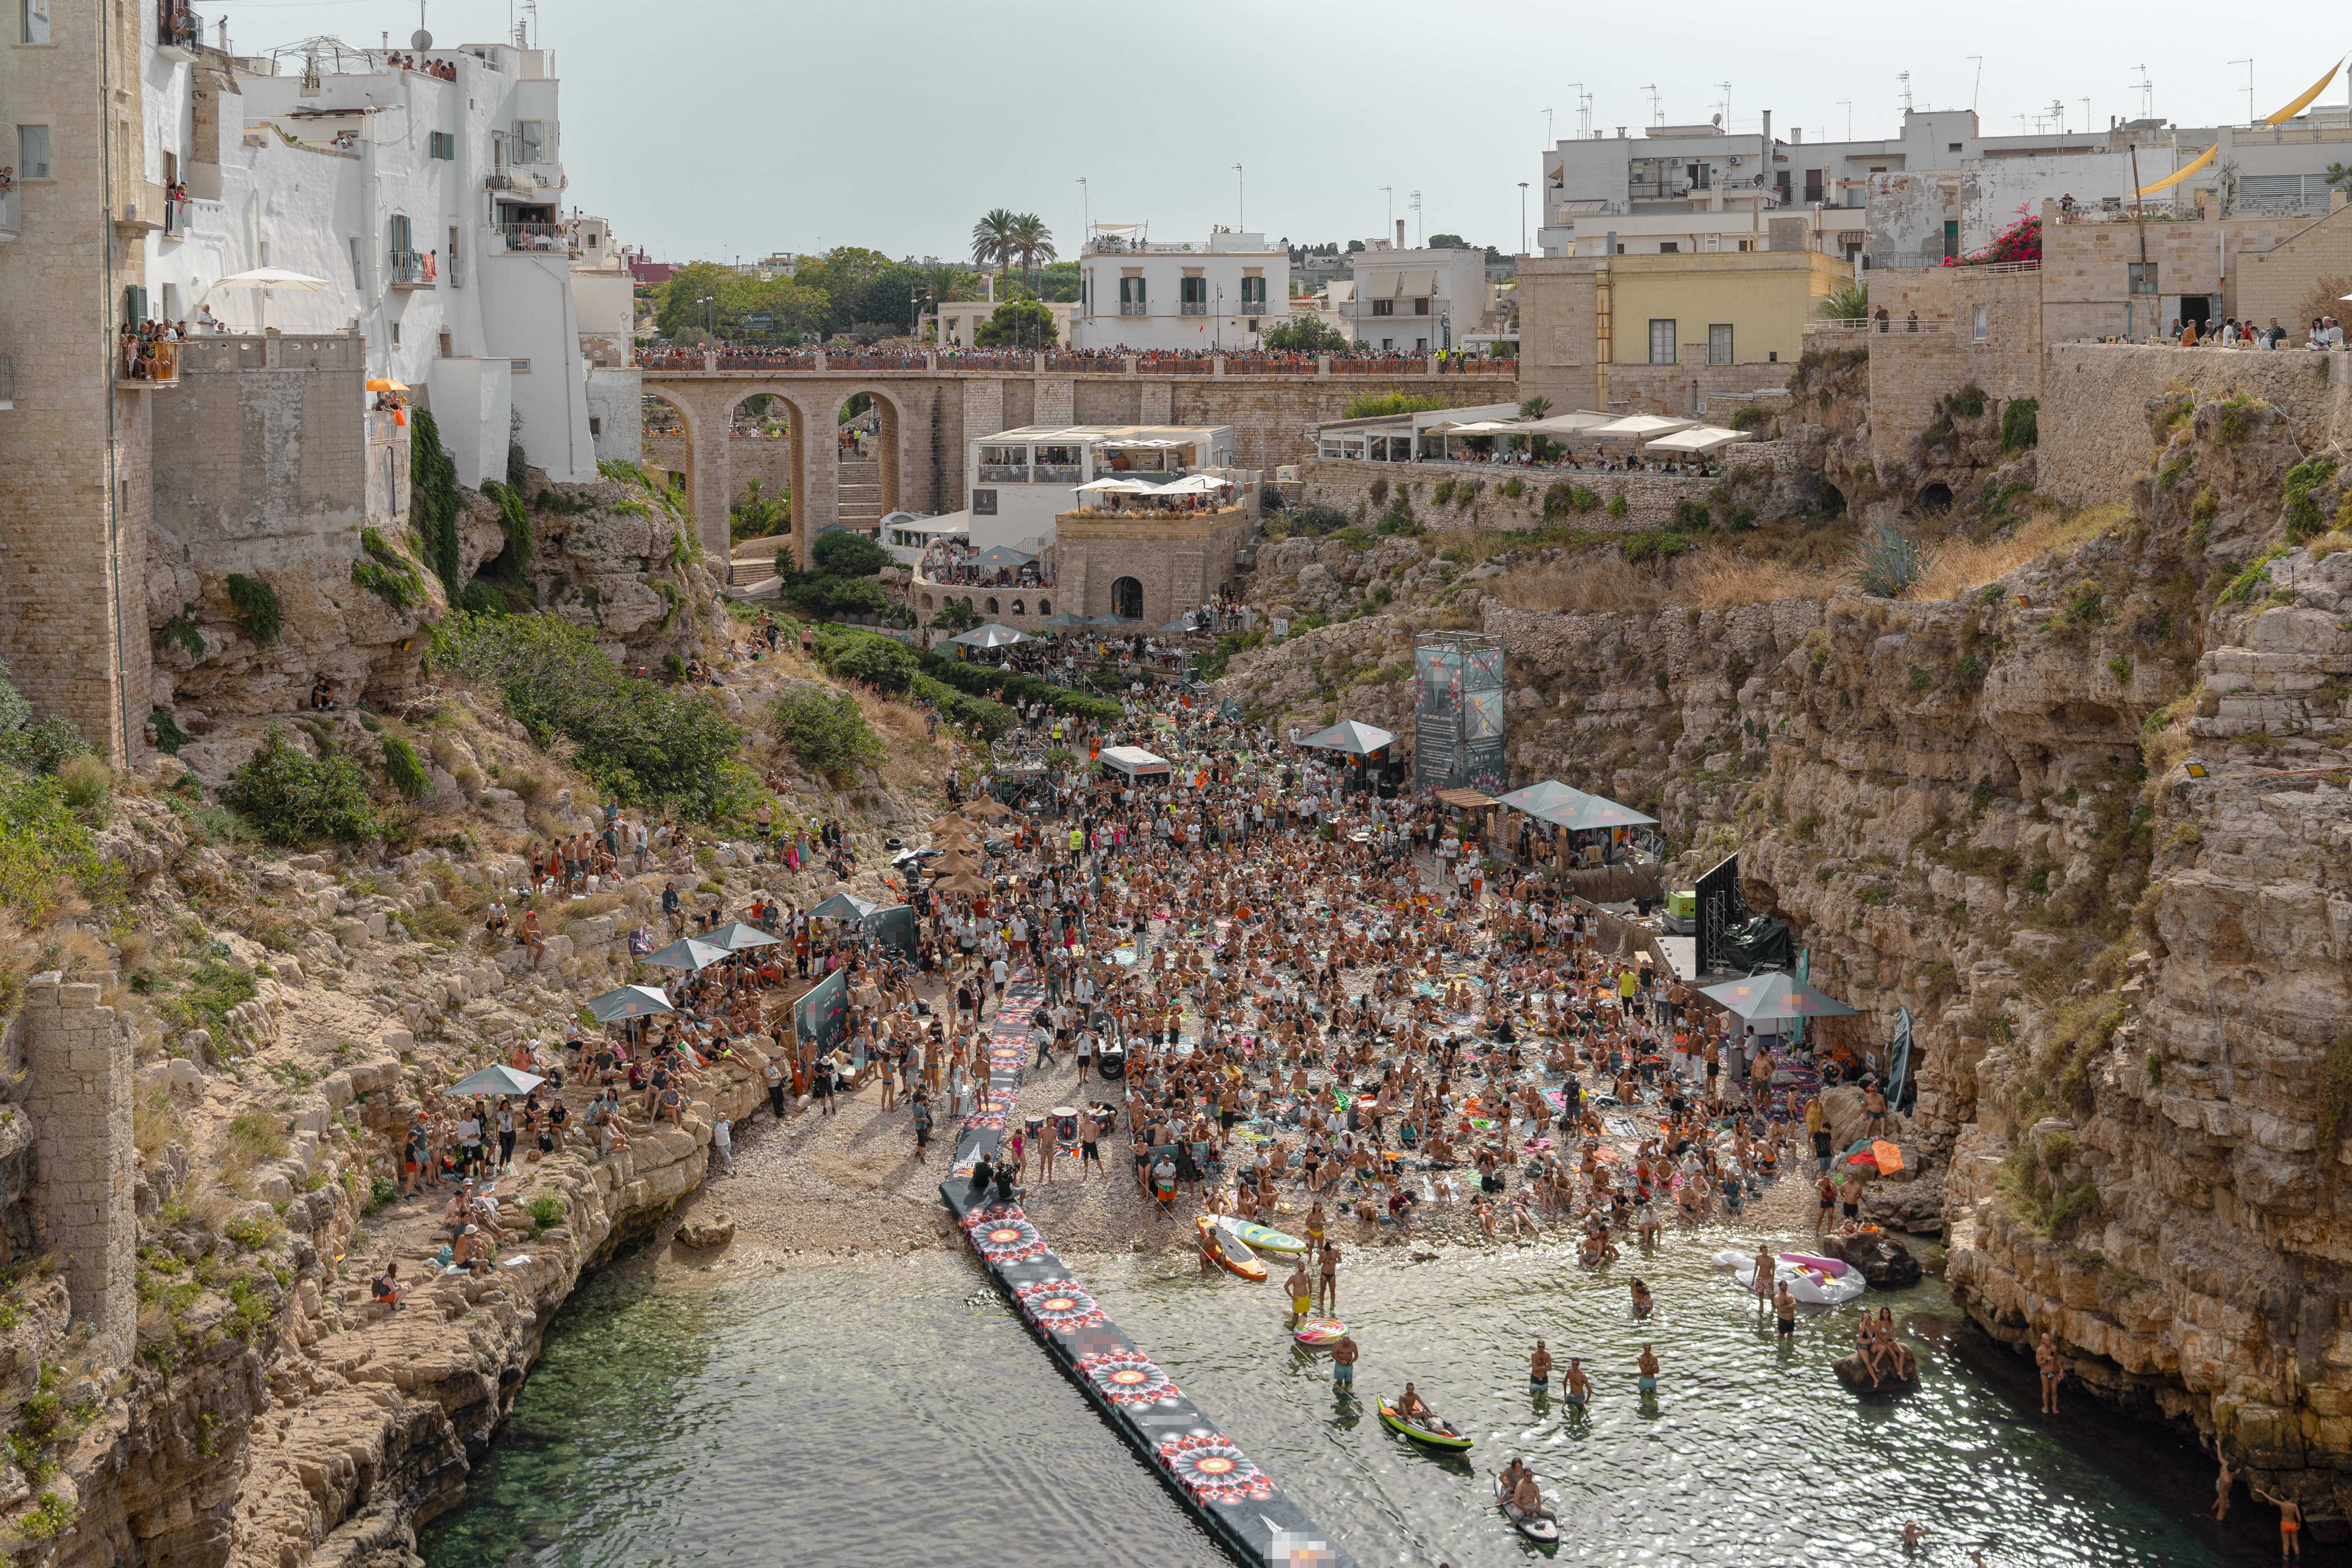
(433, 497)
(827, 731)
(387, 574)
(639, 740)
(2021, 423)
(296, 798)
(257, 611)
(406, 771)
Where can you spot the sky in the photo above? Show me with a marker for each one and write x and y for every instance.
(727, 128)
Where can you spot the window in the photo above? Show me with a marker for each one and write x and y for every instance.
(1192, 296)
(1421, 345)
(455, 276)
(2142, 277)
(1384, 307)
(1669, 246)
(33, 151)
(135, 305)
(1044, 606)
(518, 367)
(359, 266)
(396, 334)
(1420, 307)
(36, 26)
(1711, 242)
(1718, 343)
(992, 606)
(1662, 342)
(1814, 184)
(1253, 291)
(448, 347)
(1130, 295)
(442, 144)
(526, 141)
(595, 426)
(1952, 147)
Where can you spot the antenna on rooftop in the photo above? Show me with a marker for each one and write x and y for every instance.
(2146, 93)
(420, 39)
(1657, 115)
(2058, 115)
(1727, 103)
(2249, 64)
(1976, 91)
(1847, 104)
(1905, 77)
(1414, 198)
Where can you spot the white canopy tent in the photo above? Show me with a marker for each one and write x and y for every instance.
(1640, 427)
(1698, 439)
(266, 279)
(1134, 762)
(1579, 423)
(1113, 485)
(1195, 485)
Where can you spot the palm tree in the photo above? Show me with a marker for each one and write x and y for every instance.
(1535, 408)
(993, 242)
(1032, 242)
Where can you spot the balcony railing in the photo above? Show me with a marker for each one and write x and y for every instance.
(550, 237)
(410, 270)
(176, 26)
(147, 364)
(176, 218)
(1005, 473)
(1253, 307)
(7, 382)
(1193, 307)
(1058, 473)
(1133, 307)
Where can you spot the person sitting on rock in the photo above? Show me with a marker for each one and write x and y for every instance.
(322, 695)
(388, 1290)
(529, 934)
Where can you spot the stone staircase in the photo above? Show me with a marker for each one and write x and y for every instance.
(858, 503)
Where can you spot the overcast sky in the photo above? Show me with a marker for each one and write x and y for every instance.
(724, 128)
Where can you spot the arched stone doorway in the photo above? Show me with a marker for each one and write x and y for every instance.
(1126, 598)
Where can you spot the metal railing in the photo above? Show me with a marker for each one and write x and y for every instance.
(1058, 473)
(1400, 366)
(408, 270)
(1193, 307)
(874, 362)
(1005, 473)
(1253, 307)
(1133, 307)
(1239, 362)
(176, 218)
(781, 359)
(8, 380)
(1176, 367)
(550, 237)
(176, 26)
(1254, 365)
(1892, 326)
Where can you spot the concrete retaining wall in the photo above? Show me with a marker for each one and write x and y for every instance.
(1346, 485)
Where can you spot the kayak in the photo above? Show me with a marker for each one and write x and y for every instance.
(1260, 1238)
(1534, 1526)
(1316, 1333)
(1436, 1437)
(1230, 1253)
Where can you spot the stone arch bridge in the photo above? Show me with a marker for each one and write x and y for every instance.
(931, 409)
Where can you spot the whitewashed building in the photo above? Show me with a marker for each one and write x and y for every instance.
(1140, 293)
(425, 188)
(1415, 301)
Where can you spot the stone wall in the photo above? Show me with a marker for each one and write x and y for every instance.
(1179, 562)
(78, 1096)
(1694, 389)
(1346, 485)
(2272, 283)
(2095, 433)
(768, 458)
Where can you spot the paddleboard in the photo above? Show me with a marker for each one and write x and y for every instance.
(1533, 1526)
(1317, 1332)
(1230, 1253)
(1259, 1238)
(1433, 1438)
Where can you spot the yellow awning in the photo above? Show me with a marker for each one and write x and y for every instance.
(2173, 179)
(2300, 104)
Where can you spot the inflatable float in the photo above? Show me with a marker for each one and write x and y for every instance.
(1230, 1253)
(1814, 1280)
(1317, 1333)
(1260, 1238)
(1435, 1436)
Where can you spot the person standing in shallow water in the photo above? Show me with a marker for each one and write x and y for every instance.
(1648, 1382)
(2290, 1523)
(2045, 1357)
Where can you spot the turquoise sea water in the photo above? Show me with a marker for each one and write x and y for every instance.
(895, 1412)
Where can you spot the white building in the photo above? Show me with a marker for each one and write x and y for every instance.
(1022, 479)
(956, 324)
(428, 196)
(1140, 293)
(1414, 301)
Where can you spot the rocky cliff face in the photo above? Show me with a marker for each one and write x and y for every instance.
(2130, 975)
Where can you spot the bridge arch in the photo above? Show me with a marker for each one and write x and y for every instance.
(797, 406)
(864, 505)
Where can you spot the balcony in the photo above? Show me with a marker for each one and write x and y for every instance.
(176, 218)
(178, 30)
(1193, 307)
(8, 383)
(1253, 307)
(1005, 473)
(142, 212)
(1058, 473)
(410, 270)
(8, 208)
(549, 237)
(155, 364)
(1133, 307)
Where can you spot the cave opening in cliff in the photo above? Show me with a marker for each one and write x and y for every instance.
(1832, 501)
(1936, 498)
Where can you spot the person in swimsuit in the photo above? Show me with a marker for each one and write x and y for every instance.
(1343, 1364)
(1301, 1289)
(1825, 1191)
(1648, 1382)
(2290, 1523)
(2045, 1356)
(1528, 1497)
(1329, 1266)
(2221, 1489)
(1766, 1267)
(1642, 1300)
(1580, 1388)
(1539, 1370)
(1411, 1407)
(1784, 1309)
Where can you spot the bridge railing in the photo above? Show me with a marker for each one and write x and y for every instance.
(692, 362)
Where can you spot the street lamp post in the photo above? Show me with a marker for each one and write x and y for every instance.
(1523, 217)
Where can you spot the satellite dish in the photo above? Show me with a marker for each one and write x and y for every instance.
(420, 39)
